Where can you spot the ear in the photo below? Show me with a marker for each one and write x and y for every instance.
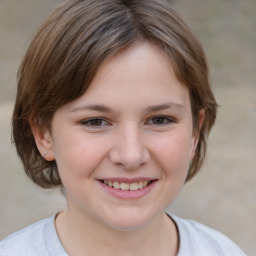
(43, 140)
(196, 132)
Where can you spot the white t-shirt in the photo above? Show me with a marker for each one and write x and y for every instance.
(41, 239)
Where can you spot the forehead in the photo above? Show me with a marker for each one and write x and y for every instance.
(139, 75)
(141, 61)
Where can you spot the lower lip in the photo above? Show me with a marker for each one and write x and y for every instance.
(128, 194)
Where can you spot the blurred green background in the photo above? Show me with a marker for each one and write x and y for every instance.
(223, 195)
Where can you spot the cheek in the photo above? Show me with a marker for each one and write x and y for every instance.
(78, 155)
(174, 153)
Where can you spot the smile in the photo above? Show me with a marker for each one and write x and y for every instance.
(124, 188)
(127, 186)
(128, 189)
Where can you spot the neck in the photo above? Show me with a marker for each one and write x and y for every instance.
(83, 236)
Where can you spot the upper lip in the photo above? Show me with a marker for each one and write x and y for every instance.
(129, 180)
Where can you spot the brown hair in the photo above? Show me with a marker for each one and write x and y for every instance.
(67, 51)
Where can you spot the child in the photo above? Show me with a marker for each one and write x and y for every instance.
(114, 107)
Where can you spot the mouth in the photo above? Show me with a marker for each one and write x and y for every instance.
(127, 186)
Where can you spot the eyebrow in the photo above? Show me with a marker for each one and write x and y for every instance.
(171, 105)
(154, 108)
(99, 108)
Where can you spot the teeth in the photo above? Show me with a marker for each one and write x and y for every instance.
(126, 186)
(116, 185)
(140, 185)
(134, 186)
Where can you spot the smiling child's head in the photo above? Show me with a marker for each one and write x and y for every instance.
(70, 47)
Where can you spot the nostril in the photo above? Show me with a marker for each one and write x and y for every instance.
(130, 153)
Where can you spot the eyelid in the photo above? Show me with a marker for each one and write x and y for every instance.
(86, 121)
(168, 118)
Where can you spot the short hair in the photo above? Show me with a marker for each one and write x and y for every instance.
(69, 48)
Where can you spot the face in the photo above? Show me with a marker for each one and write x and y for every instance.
(123, 148)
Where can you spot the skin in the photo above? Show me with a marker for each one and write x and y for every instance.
(144, 130)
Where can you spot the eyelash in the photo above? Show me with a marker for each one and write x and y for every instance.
(166, 120)
(89, 122)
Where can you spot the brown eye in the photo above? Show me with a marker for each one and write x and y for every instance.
(95, 122)
(160, 120)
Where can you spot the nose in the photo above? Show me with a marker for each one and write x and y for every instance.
(129, 150)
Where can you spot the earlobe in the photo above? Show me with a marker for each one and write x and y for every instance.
(43, 141)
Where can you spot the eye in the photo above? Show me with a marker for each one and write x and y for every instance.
(94, 122)
(160, 120)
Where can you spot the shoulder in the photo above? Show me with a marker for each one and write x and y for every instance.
(198, 239)
(30, 241)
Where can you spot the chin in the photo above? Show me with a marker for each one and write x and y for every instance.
(129, 220)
